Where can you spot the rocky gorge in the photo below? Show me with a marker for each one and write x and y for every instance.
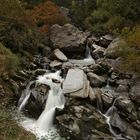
(101, 101)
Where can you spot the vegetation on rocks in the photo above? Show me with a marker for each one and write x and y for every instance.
(120, 18)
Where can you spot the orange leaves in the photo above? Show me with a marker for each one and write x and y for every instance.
(47, 14)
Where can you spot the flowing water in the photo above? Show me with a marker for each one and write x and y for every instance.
(84, 62)
(110, 111)
(43, 127)
(25, 97)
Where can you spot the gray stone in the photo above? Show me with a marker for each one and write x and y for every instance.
(113, 49)
(68, 38)
(98, 52)
(126, 108)
(57, 54)
(135, 92)
(77, 85)
(55, 64)
(95, 80)
(117, 122)
(107, 98)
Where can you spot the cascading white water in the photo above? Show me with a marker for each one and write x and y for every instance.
(25, 97)
(108, 115)
(55, 100)
(88, 54)
(24, 101)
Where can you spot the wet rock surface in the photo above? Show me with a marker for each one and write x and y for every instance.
(81, 119)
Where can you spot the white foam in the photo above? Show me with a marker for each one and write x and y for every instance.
(43, 126)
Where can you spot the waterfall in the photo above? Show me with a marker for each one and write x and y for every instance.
(108, 115)
(25, 97)
(56, 99)
(88, 54)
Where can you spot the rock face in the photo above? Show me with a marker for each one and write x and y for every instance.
(123, 127)
(126, 108)
(57, 54)
(68, 38)
(77, 85)
(81, 121)
(113, 48)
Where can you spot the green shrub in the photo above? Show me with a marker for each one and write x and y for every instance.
(96, 21)
(130, 52)
(115, 23)
(100, 16)
(8, 61)
(131, 61)
(133, 38)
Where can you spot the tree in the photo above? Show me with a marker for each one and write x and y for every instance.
(46, 14)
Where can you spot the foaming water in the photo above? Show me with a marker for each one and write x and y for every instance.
(25, 97)
(108, 115)
(43, 127)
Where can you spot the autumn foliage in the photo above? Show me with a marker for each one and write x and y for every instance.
(47, 14)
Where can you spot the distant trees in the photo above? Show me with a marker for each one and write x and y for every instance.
(13, 11)
(103, 16)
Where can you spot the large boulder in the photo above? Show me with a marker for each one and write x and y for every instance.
(77, 85)
(113, 49)
(68, 38)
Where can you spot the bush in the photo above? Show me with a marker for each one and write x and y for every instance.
(131, 60)
(46, 14)
(96, 21)
(133, 38)
(8, 61)
(100, 16)
(131, 52)
(115, 23)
